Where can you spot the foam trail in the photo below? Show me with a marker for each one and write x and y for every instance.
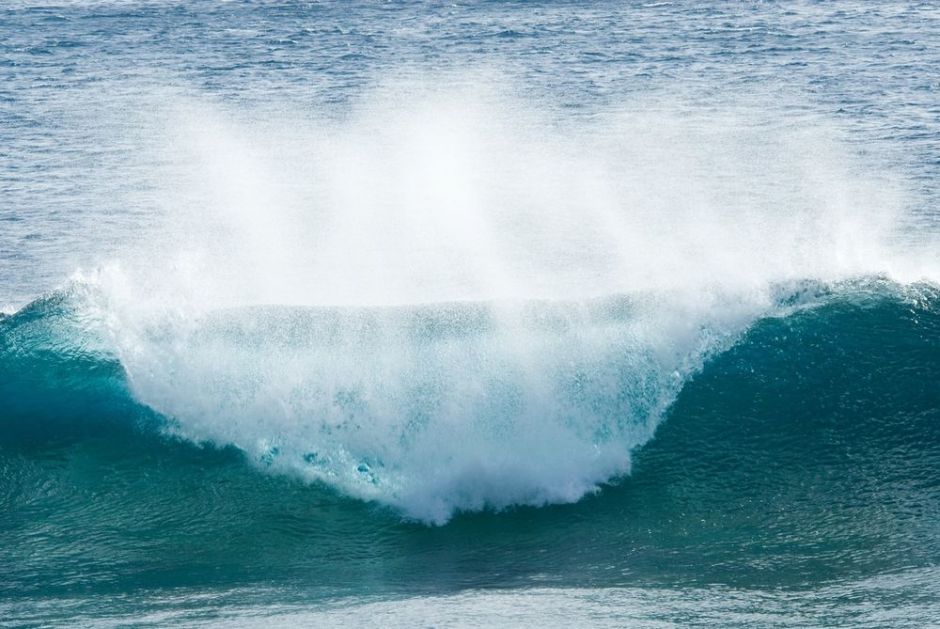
(454, 300)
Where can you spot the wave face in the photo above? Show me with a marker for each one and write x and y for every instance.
(825, 411)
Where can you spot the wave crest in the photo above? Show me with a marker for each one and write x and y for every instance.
(431, 409)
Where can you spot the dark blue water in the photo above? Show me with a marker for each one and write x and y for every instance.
(461, 314)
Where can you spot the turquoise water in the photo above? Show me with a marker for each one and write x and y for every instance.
(492, 314)
(797, 469)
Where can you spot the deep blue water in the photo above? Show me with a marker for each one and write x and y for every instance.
(614, 314)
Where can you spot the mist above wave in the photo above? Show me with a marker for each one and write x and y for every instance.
(467, 206)
(424, 192)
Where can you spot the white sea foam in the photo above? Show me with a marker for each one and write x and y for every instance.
(493, 303)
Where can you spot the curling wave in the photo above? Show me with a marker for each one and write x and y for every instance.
(429, 409)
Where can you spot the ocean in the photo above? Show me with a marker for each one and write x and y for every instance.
(469, 314)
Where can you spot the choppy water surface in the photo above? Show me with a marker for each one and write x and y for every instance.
(490, 313)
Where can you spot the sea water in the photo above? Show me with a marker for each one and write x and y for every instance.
(462, 314)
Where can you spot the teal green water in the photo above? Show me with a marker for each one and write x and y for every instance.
(807, 453)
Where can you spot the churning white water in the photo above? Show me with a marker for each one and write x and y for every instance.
(449, 298)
